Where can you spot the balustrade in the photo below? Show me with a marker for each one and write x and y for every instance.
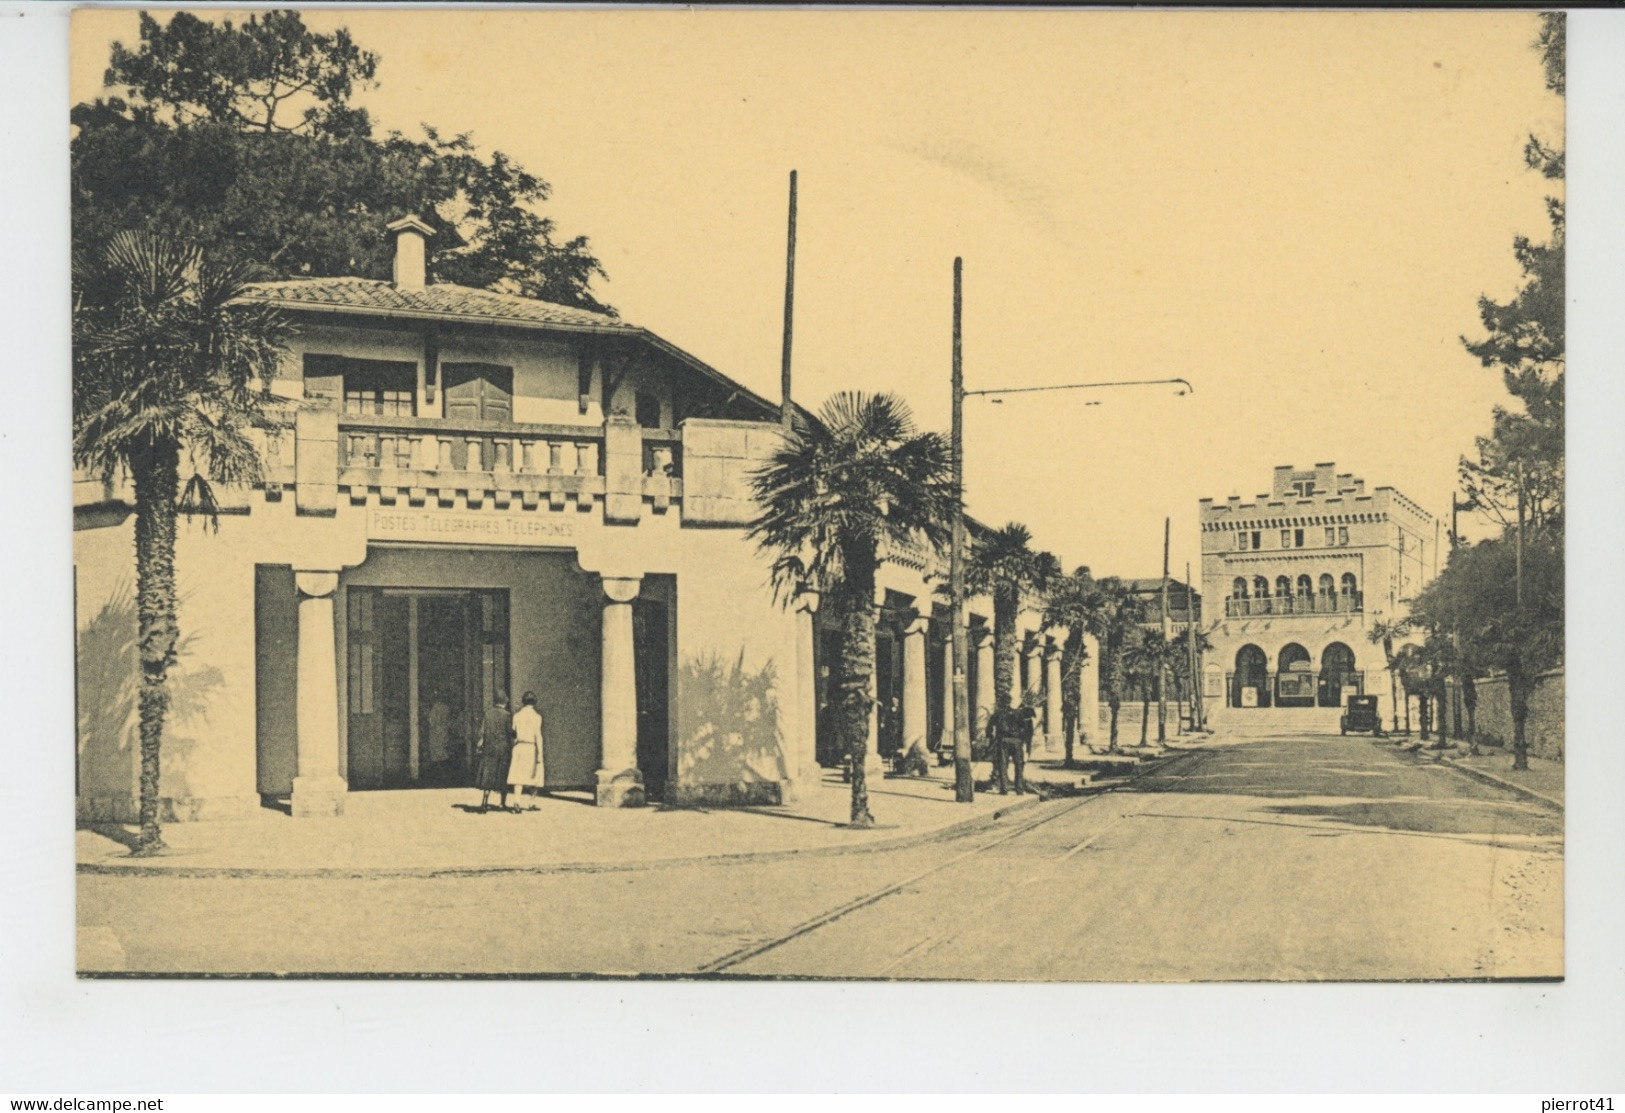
(1294, 604)
(430, 445)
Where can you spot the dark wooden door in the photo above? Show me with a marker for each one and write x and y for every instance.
(888, 693)
(377, 690)
(652, 663)
(828, 746)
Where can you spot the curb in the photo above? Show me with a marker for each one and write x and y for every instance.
(1489, 779)
(1511, 786)
(142, 868)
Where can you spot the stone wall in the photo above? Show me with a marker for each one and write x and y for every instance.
(1543, 729)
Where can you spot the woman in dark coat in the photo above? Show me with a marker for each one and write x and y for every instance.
(496, 748)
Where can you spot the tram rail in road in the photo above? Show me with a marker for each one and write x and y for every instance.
(930, 942)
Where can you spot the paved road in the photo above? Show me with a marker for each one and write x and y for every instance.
(1302, 858)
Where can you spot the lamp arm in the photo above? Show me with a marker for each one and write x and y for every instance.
(1188, 388)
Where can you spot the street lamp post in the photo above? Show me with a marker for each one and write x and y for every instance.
(964, 785)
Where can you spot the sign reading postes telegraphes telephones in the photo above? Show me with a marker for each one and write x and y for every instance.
(470, 527)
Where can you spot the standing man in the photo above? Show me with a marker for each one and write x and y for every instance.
(495, 751)
(525, 769)
(1002, 732)
(1025, 720)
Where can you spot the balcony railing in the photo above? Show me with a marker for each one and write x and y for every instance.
(1294, 604)
(322, 457)
(431, 445)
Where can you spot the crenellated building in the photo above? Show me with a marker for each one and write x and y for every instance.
(1302, 573)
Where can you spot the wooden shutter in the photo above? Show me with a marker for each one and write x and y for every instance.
(478, 391)
(324, 377)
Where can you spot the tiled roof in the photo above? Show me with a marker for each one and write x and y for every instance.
(1148, 584)
(442, 299)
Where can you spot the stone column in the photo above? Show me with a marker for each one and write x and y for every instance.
(620, 784)
(1035, 675)
(318, 790)
(983, 699)
(802, 765)
(945, 737)
(914, 688)
(1053, 722)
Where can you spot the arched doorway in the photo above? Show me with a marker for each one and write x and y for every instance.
(1294, 677)
(1250, 682)
(1337, 673)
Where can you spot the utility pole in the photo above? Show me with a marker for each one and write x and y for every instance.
(785, 409)
(1162, 668)
(1190, 650)
(964, 784)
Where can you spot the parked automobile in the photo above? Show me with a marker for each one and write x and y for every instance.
(1361, 715)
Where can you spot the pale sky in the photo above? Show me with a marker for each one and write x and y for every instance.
(1295, 211)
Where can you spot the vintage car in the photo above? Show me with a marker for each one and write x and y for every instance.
(1361, 715)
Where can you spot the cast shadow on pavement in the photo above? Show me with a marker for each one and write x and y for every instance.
(1436, 817)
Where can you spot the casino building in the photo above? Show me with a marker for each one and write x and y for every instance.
(1303, 573)
(471, 492)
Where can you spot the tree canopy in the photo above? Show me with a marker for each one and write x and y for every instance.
(1477, 595)
(244, 138)
(1525, 342)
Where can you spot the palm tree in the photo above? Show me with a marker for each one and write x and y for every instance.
(165, 367)
(831, 498)
(1144, 657)
(1004, 564)
(1070, 604)
(1384, 633)
(1120, 615)
(1082, 606)
(1409, 662)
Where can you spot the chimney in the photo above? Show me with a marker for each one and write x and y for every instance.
(410, 234)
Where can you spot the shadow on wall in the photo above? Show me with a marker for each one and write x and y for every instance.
(731, 749)
(108, 724)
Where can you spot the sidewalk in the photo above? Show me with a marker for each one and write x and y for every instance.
(431, 831)
(1542, 780)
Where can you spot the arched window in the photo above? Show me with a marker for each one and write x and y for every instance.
(1305, 588)
(1337, 658)
(1238, 590)
(1326, 586)
(1293, 658)
(1350, 584)
(1261, 587)
(1283, 586)
(1337, 674)
(1252, 673)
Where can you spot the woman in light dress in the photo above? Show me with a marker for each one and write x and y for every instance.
(525, 769)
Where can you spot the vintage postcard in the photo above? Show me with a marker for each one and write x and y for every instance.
(953, 495)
